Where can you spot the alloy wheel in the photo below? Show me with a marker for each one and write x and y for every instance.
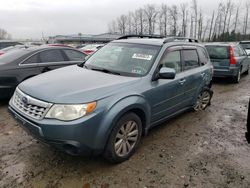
(202, 101)
(126, 138)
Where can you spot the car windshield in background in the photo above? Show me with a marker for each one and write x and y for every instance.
(245, 45)
(124, 59)
(12, 55)
(218, 52)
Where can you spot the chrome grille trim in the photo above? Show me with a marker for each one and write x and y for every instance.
(34, 108)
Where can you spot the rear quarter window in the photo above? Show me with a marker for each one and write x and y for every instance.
(218, 52)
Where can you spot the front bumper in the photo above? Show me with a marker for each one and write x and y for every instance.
(230, 72)
(75, 138)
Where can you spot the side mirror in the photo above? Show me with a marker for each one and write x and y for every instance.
(167, 73)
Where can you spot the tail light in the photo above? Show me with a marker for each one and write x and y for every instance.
(232, 59)
(1, 53)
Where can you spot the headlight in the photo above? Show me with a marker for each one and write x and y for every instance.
(70, 112)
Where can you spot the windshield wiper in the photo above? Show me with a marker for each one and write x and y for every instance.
(105, 70)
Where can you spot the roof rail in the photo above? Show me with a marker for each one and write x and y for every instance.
(181, 39)
(140, 36)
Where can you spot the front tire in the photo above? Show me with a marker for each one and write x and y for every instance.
(124, 138)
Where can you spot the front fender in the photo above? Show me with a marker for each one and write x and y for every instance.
(115, 112)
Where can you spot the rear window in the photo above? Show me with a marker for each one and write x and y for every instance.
(218, 52)
(12, 55)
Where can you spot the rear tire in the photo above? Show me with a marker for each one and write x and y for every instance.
(124, 138)
(236, 79)
(203, 100)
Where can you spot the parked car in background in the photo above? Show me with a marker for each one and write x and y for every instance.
(246, 46)
(229, 60)
(8, 49)
(7, 43)
(20, 64)
(103, 106)
(91, 48)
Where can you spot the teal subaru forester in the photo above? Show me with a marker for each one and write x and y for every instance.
(105, 104)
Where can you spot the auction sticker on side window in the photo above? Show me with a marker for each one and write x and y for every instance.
(142, 56)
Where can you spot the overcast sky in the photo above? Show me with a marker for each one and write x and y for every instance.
(25, 19)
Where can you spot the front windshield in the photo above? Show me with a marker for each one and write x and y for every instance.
(245, 45)
(124, 58)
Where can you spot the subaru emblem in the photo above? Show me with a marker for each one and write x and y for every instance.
(25, 100)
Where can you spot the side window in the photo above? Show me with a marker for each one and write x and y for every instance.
(33, 59)
(203, 55)
(172, 60)
(190, 58)
(74, 55)
(51, 56)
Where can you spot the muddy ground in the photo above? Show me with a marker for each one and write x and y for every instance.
(205, 149)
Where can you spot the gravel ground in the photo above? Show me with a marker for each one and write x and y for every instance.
(204, 149)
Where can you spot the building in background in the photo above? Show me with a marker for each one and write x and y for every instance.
(83, 39)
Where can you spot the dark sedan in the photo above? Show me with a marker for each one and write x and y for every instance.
(21, 64)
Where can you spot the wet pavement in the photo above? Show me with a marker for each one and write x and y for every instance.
(204, 149)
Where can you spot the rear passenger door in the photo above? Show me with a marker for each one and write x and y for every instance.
(194, 74)
(167, 96)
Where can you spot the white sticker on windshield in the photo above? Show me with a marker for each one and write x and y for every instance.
(142, 56)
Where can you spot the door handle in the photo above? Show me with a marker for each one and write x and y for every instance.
(182, 81)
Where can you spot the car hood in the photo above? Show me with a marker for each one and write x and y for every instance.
(74, 84)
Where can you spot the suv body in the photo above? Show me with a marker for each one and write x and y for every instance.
(22, 63)
(164, 80)
(229, 60)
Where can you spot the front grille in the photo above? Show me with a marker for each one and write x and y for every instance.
(28, 105)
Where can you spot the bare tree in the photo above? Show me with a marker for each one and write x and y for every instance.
(229, 17)
(246, 19)
(191, 26)
(4, 34)
(184, 16)
(135, 21)
(195, 9)
(141, 20)
(211, 27)
(163, 19)
(173, 14)
(205, 30)
(236, 18)
(112, 27)
(122, 23)
(200, 25)
(225, 11)
(150, 13)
